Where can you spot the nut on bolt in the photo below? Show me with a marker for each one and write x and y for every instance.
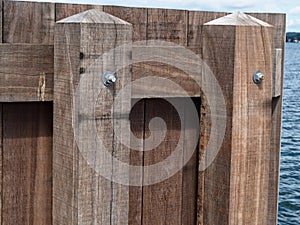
(258, 77)
(109, 79)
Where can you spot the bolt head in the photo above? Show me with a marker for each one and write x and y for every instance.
(258, 77)
(109, 79)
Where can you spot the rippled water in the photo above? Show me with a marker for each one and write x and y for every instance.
(289, 196)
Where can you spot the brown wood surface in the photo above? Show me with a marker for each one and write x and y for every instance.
(190, 173)
(64, 10)
(94, 198)
(136, 16)
(65, 152)
(32, 23)
(172, 200)
(249, 164)
(26, 72)
(162, 202)
(167, 25)
(137, 124)
(249, 200)
(279, 23)
(28, 22)
(1, 17)
(195, 22)
(277, 85)
(27, 166)
(215, 192)
(1, 158)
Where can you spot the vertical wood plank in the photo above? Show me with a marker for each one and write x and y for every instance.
(279, 23)
(97, 199)
(162, 202)
(28, 22)
(195, 21)
(249, 155)
(277, 85)
(65, 151)
(137, 122)
(253, 165)
(64, 10)
(27, 166)
(213, 203)
(136, 16)
(190, 172)
(1, 159)
(167, 25)
(1, 17)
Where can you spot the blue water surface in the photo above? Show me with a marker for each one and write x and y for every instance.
(289, 193)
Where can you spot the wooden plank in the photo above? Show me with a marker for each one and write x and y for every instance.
(91, 198)
(161, 70)
(137, 124)
(253, 165)
(1, 17)
(279, 23)
(214, 186)
(277, 85)
(167, 25)
(190, 171)
(65, 152)
(64, 10)
(162, 202)
(28, 22)
(250, 148)
(1, 159)
(26, 72)
(195, 22)
(136, 16)
(27, 168)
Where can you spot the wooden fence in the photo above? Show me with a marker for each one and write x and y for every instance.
(44, 177)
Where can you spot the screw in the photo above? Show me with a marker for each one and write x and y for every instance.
(109, 79)
(258, 77)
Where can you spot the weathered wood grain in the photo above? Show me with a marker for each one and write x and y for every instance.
(136, 16)
(214, 186)
(93, 199)
(167, 25)
(65, 152)
(253, 164)
(1, 17)
(277, 74)
(249, 164)
(195, 21)
(33, 23)
(26, 72)
(137, 124)
(162, 202)
(28, 22)
(279, 23)
(1, 159)
(190, 171)
(27, 165)
(64, 10)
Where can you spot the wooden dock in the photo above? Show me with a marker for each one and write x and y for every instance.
(45, 51)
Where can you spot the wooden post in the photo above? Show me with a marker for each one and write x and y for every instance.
(236, 184)
(80, 194)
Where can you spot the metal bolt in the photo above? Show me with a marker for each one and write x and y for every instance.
(109, 79)
(258, 77)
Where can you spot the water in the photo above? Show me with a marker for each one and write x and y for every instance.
(289, 196)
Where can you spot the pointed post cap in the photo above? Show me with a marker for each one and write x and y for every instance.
(238, 19)
(93, 16)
